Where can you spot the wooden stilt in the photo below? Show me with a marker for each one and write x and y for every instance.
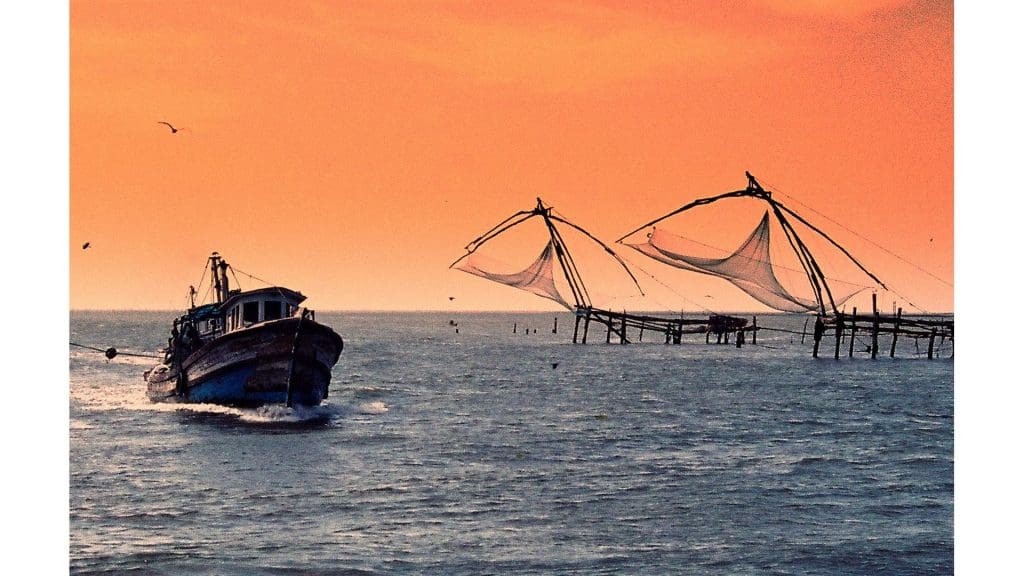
(874, 327)
(895, 332)
(622, 327)
(641, 338)
(514, 327)
(576, 329)
(608, 338)
(839, 333)
(819, 330)
(853, 330)
(803, 335)
(586, 326)
(555, 329)
(755, 331)
(931, 344)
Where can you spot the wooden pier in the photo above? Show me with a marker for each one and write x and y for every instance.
(845, 328)
(620, 324)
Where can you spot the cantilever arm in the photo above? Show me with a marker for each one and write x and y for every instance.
(522, 215)
(603, 245)
(834, 243)
(694, 204)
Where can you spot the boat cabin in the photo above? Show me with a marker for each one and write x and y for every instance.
(243, 309)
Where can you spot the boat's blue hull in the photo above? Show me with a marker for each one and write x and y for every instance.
(229, 387)
(286, 361)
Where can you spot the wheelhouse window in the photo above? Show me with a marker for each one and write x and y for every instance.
(271, 310)
(250, 312)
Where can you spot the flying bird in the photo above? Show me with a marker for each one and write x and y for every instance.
(84, 246)
(451, 298)
(173, 129)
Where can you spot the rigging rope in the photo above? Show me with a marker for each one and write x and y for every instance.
(884, 249)
(111, 352)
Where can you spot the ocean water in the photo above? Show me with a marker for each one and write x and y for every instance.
(473, 453)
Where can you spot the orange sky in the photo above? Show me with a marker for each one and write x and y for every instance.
(351, 149)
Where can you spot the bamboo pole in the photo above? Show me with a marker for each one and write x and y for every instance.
(853, 330)
(839, 333)
(874, 327)
(819, 329)
(895, 332)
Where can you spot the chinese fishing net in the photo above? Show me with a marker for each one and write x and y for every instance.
(749, 267)
(537, 278)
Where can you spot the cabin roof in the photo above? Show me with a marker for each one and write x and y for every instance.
(279, 291)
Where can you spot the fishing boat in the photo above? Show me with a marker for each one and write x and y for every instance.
(246, 348)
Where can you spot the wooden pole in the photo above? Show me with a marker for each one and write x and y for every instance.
(576, 329)
(555, 329)
(819, 329)
(803, 335)
(514, 327)
(586, 326)
(839, 333)
(608, 338)
(622, 326)
(853, 330)
(875, 326)
(895, 332)
(755, 331)
(642, 323)
(931, 344)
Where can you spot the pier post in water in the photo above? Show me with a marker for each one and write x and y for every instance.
(576, 329)
(853, 330)
(931, 344)
(839, 333)
(819, 329)
(874, 327)
(754, 341)
(622, 336)
(586, 326)
(895, 332)
(642, 323)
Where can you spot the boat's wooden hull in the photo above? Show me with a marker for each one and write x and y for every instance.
(262, 364)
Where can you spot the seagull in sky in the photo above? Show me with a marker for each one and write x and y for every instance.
(168, 124)
(84, 246)
(451, 298)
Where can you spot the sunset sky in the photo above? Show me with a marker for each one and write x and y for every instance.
(350, 150)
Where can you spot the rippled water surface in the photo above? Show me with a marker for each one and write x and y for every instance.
(473, 453)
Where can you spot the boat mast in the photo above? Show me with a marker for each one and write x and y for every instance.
(215, 271)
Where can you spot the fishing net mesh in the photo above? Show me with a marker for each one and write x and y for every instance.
(537, 278)
(749, 267)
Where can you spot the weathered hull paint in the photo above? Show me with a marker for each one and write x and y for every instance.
(255, 366)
